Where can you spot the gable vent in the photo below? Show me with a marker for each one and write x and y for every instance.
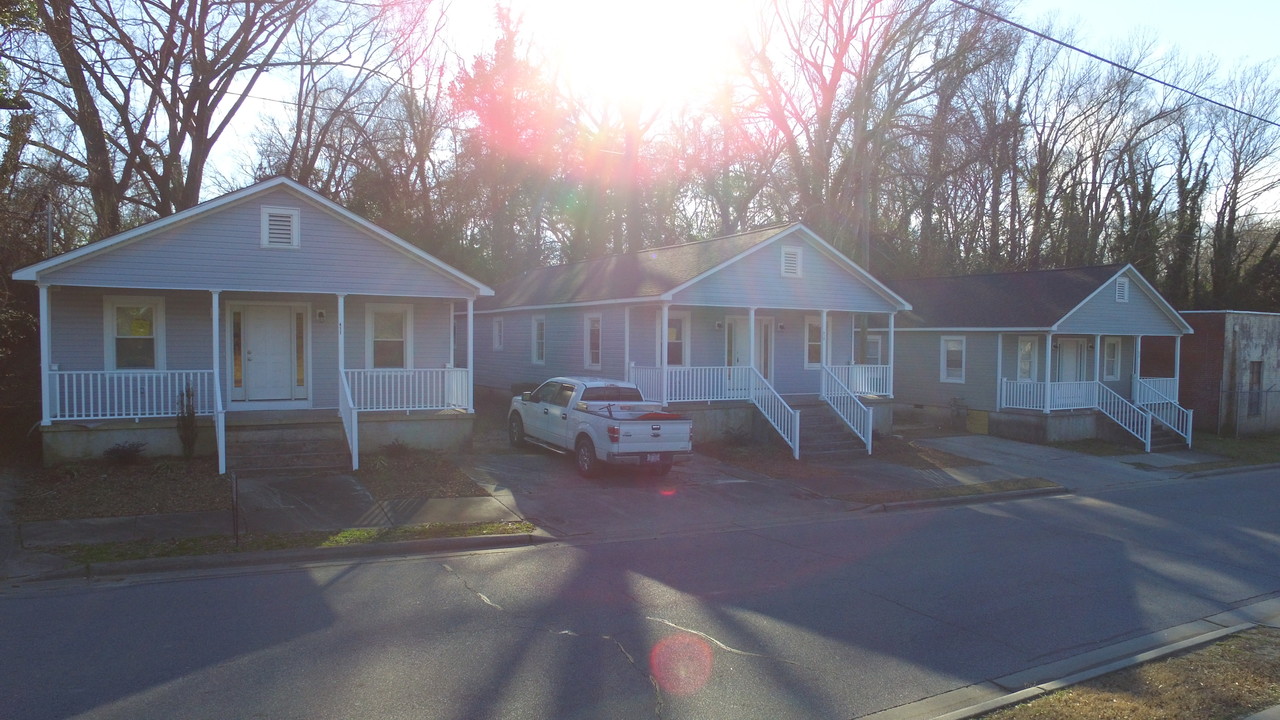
(1122, 290)
(791, 262)
(280, 227)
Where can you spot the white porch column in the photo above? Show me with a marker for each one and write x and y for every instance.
(663, 333)
(1048, 370)
(890, 358)
(626, 343)
(1097, 358)
(46, 354)
(342, 335)
(751, 336)
(825, 352)
(215, 314)
(1137, 357)
(999, 371)
(471, 355)
(1177, 366)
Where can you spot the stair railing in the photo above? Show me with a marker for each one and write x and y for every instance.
(1163, 408)
(350, 420)
(1132, 418)
(847, 405)
(784, 418)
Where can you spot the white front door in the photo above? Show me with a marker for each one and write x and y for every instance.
(738, 339)
(1071, 359)
(268, 352)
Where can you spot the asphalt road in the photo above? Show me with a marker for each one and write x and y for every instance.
(839, 616)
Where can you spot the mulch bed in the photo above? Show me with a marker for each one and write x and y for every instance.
(103, 489)
(399, 473)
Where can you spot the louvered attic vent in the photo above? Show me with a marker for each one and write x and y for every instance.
(791, 262)
(1122, 290)
(280, 227)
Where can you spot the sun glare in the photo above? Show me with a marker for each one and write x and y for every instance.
(656, 54)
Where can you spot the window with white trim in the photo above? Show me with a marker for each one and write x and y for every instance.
(678, 339)
(133, 329)
(497, 333)
(280, 227)
(874, 354)
(591, 341)
(538, 330)
(1028, 358)
(1122, 290)
(1110, 358)
(389, 336)
(812, 343)
(952, 358)
(792, 258)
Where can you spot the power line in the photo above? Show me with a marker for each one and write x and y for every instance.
(1112, 63)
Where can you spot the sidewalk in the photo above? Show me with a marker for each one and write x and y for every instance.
(267, 505)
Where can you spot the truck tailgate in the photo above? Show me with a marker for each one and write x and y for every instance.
(672, 434)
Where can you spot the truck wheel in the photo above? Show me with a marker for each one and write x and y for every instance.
(585, 455)
(515, 431)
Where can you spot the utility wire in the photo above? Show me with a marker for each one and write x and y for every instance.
(1112, 63)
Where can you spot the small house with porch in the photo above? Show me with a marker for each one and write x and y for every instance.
(1042, 356)
(270, 312)
(753, 325)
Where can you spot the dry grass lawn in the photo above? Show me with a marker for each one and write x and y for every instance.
(1232, 678)
(105, 489)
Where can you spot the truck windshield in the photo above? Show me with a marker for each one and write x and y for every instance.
(612, 393)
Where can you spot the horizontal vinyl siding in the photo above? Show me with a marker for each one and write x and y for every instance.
(756, 281)
(1142, 315)
(221, 250)
(917, 368)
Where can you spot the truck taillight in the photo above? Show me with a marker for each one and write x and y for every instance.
(615, 434)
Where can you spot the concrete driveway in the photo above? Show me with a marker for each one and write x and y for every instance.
(703, 494)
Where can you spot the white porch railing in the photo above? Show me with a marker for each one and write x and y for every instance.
(697, 384)
(1025, 395)
(864, 379)
(1148, 396)
(1073, 395)
(847, 405)
(118, 394)
(784, 418)
(648, 379)
(220, 431)
(1168, 387)
(414, 389)
(350, 420)
(1129, 416)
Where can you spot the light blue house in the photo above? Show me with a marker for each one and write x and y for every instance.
(1045, 356)
(273, 306)
(765, 320)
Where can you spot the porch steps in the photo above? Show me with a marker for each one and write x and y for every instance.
(824, 438)
(295, 449)
(1164, 439)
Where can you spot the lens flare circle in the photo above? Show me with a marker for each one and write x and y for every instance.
(681, 663)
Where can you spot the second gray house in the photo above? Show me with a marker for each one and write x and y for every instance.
(764, 320)
(1043, 356)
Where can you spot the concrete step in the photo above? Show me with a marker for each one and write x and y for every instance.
(303, 448)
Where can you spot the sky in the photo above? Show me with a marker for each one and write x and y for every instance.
(1232, 31)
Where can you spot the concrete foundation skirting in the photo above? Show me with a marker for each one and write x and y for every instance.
(64, 442)
(1041, 428)
(427, 430)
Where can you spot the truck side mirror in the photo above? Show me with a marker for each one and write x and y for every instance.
(524, 396)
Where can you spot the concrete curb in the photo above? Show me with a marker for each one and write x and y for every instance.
(291, 557)
(968, 499)
(1231, 471)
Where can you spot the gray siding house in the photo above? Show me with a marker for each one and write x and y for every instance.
(760, 319)
(268, 302)
(1044, 356)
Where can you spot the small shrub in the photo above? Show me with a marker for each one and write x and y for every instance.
(187, 430)
(124, 453)
(396, 450)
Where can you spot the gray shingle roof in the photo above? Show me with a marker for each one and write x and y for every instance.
(1034, 299)
(643, 274)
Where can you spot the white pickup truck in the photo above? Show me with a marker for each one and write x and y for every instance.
(600, 421)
